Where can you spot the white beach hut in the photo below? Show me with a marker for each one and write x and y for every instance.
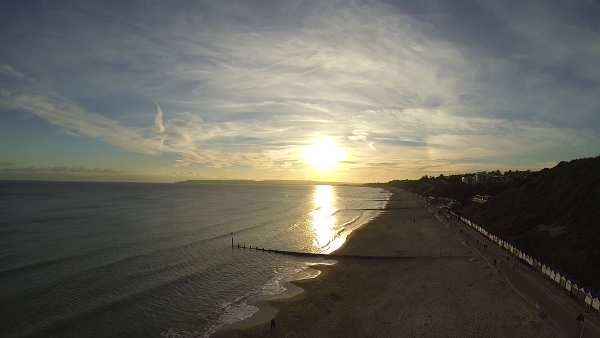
(596, 303)
(568, 286)
(552, 273)
(588, 297)
(574, 288)
(557, 277)
(563, 281)
(581, 295)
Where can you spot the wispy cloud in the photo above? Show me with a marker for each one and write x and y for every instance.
(60, 171)
(10, 71)
(72, 117)
(405, 87)
(68, 132)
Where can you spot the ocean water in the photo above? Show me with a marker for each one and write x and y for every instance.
(155, 260)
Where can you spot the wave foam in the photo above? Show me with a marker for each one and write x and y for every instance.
(238, 310)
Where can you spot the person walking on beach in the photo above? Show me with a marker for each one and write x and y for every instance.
(272, 324)
(580, 319)
(494, 261)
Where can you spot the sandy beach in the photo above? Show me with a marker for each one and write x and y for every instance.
(444, 290)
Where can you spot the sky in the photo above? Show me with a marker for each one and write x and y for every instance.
(350, 91)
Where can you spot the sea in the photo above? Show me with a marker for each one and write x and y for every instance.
(88, 259)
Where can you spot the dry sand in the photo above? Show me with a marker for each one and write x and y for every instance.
(445, 291)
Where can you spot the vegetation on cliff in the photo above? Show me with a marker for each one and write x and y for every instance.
(553, 214)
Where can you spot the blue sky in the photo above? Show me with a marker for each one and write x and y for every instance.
(168, 91)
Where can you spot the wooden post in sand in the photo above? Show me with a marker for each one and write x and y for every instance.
(232, 239)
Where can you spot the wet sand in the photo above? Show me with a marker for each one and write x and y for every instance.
(446, 290)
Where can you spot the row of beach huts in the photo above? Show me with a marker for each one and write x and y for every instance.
(586, 296)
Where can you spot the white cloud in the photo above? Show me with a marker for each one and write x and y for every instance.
(400, 91)
(10, 71)
(68, 132)
(70, 116)
(190, 117)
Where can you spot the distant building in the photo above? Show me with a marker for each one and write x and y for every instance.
(494, 177)
(481, 177)
(481, 198)
(469, 179)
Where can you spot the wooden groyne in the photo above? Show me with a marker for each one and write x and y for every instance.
(313, 254)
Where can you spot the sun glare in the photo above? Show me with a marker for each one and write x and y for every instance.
(323, 155)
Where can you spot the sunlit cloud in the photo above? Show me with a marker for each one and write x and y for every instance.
(404, 88)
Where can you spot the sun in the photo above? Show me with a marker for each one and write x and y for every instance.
(323, 154)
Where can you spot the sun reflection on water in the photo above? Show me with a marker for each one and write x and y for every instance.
(324, 221)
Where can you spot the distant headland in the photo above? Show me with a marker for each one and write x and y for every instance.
(268, 182)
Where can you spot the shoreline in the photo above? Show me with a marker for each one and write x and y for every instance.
(446, 290)
(294, 292)
(266, 310)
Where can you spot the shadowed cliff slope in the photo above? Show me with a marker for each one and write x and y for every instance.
(553, 215)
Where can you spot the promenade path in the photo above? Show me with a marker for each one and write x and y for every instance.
(560, 308)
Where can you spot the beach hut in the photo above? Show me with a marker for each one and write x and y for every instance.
(543, 271)
(552, 273)
(574, 288)
(568, 286)
(557, 277)
(588, 297)
(563, 282)
(596, 303)
(581, 295)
